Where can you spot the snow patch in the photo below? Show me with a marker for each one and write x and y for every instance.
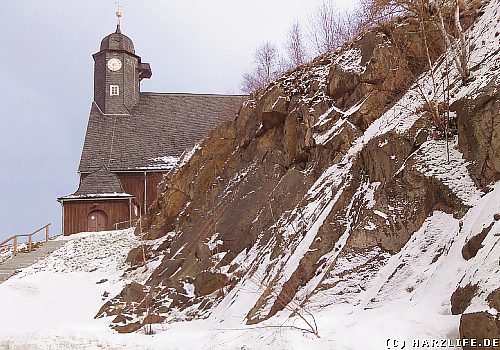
(432, 161)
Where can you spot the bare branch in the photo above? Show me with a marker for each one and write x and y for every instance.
(295, 47)
(267, 67)
(331, 27)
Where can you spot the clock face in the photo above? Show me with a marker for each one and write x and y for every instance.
(114, 64)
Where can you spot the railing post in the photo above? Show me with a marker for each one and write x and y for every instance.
(30, 241)
(47, 233)
(15, 245)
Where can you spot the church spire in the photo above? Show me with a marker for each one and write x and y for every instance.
(118, 16)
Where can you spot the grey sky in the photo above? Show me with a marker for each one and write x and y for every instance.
(46, 92)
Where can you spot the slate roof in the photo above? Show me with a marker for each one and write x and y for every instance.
(101, 183)
(161, 127)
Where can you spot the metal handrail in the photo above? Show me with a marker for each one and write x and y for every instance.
(30, 238)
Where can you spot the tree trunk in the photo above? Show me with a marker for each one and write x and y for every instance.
(460, 53)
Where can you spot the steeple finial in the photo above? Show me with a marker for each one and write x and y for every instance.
(118, 15)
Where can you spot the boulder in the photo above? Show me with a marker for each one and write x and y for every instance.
(133, 293)
(473, 245)
(136, 256)
(128, 328)
(479, 326)
(208, 282)
(341, 82)
(493, 299)
(462, 297)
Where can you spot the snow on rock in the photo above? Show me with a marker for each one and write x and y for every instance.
(326, 117)
(186, 156)
(482, 269)
(213, 243)
(390, 304)
(323, 138)
(432, 161)
(350, 61)
(409, 272)
(369, 193)
(285, 250)
(417, 261)
(352, 274)
(483, 60)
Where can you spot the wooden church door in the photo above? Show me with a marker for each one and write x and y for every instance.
(97, 220)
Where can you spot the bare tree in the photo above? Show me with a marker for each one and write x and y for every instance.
(295, 46)
(267, 67)
(460, 47)
(267, 61)
(250, 83)
(436, 11)
(330, 27)
(376, 11)
(324, 26)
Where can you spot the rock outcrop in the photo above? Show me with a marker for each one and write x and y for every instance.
(479, 130)
(481, 328)
(324, 177)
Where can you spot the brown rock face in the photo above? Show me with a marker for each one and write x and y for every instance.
(131, 296)
(128, 328)
(473, 245)
(136, 256)
(494, 299)
(480, 326)
(375, 79)
(133, 293)
(479, 133)
(208, 282)
(461, 298)
(274, 200)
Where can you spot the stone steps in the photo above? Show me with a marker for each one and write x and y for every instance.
(22, 260)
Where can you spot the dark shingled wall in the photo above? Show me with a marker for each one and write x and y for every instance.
(127, 78)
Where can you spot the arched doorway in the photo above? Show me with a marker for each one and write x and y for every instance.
(97, 220)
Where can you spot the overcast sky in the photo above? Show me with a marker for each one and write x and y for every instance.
(46, 48)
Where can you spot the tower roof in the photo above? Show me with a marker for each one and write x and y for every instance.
(117, 41)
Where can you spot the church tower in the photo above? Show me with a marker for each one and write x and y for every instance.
(117, 74)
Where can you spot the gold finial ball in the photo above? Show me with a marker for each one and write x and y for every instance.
(118, 14)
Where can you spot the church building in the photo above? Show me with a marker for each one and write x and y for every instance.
(133, 138)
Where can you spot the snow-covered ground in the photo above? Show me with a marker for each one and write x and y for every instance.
(52, 304)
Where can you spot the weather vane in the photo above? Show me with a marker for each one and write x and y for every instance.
(119, 6)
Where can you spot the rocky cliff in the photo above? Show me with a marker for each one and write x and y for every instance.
(334, 186)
